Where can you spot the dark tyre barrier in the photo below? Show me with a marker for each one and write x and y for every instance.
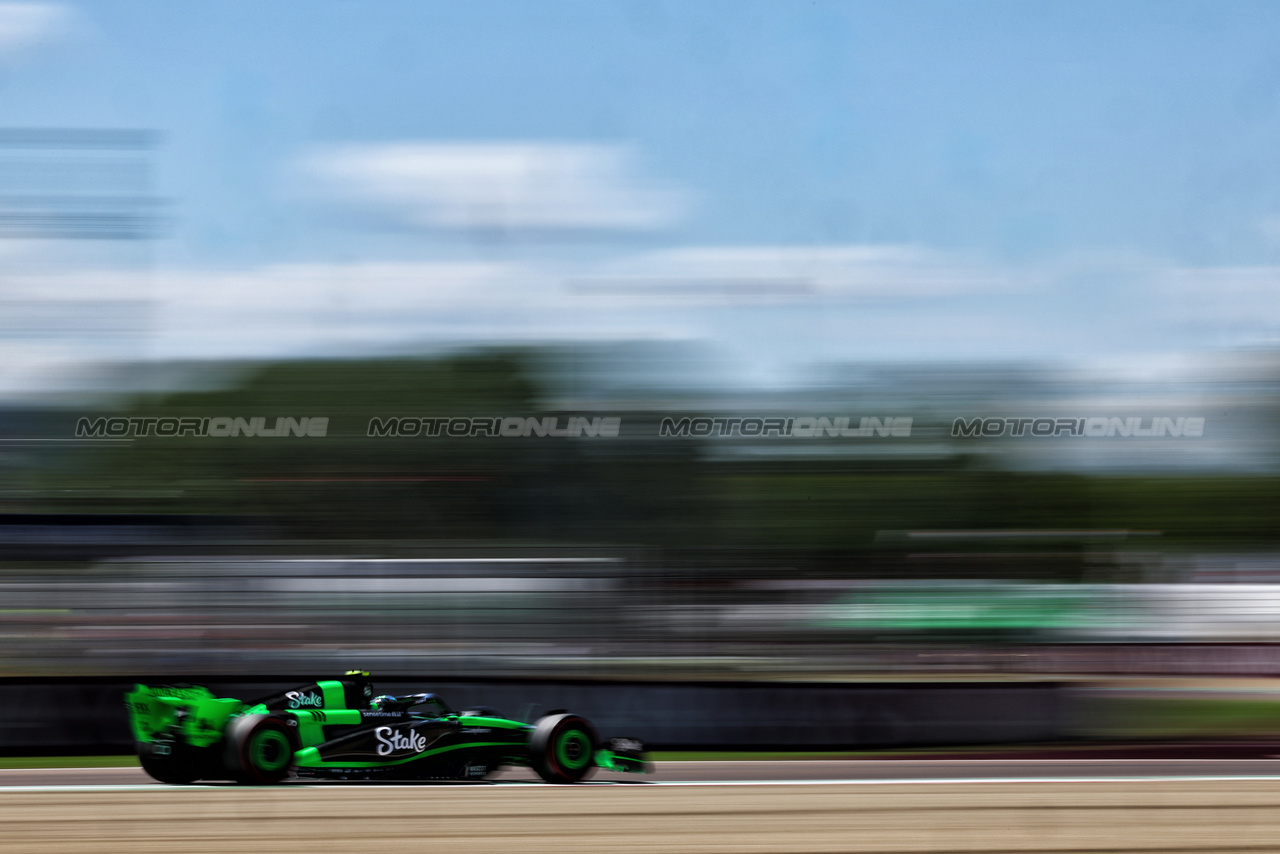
(71, 716)
(259, 749)
(563, 748)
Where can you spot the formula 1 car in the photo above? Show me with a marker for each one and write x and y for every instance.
(337, 729)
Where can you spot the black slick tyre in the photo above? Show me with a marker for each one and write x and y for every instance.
(167, 768)
(258, 749)
(562, 748)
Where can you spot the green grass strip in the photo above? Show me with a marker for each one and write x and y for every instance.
(68, 762)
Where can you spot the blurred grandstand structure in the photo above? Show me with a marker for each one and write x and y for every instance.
(613, 618)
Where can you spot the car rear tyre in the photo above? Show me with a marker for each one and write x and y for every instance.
(177, 770)
(259, 749)
(563, 748)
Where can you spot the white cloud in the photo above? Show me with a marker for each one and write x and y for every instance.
(795, 272)
(336, 309)
(24, 25)
(506, 186)
(1240, 302)
(768, 309)
(353, 308)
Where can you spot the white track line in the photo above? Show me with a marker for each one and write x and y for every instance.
(929, 781)
(943, 781)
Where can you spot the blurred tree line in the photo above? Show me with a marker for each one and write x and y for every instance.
(817, 515)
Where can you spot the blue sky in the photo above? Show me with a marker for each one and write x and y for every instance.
(987, 180)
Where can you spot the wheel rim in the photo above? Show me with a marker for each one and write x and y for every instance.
(573, 750)
(270, 750)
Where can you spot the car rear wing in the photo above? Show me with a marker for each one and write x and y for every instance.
(187, 713)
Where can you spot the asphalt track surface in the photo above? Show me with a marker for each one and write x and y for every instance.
(776, 770)
(810, 807)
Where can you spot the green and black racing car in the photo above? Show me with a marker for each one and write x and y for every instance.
(337, 729)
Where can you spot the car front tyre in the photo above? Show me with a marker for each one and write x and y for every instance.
(562, 748)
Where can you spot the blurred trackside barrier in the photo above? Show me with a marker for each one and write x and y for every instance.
(608, 618)
(64, 716)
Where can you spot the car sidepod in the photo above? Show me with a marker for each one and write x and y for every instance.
(401, 746)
